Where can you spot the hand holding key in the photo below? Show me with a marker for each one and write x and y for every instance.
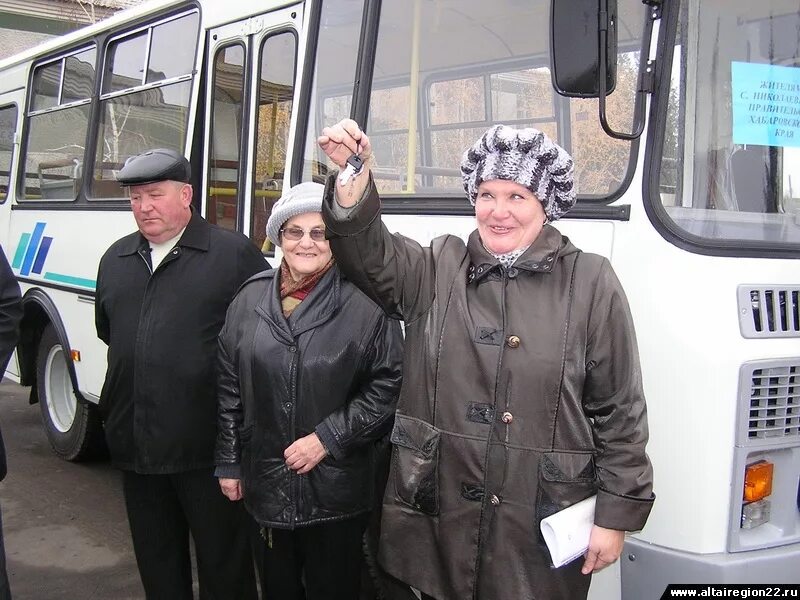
(350, 150)
(344, 139)
(353, 168)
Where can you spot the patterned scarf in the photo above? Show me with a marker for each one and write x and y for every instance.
(294, 292)
(508, 258)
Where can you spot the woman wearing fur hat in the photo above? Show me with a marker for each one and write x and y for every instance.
(309, 373)
(522, 391)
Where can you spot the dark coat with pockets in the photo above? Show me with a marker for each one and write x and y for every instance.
(159, 396)
(522, 395)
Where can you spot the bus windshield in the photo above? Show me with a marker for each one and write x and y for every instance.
(730, 170)
(445, 71)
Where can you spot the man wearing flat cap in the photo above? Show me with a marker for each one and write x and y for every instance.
(162, 294)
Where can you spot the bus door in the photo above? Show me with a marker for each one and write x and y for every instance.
(251, 74)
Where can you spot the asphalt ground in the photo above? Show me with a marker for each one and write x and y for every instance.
(66, 533)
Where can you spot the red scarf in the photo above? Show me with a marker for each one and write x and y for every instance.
(294, 292)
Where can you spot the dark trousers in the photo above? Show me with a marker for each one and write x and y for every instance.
(163, 510)
(319, 562)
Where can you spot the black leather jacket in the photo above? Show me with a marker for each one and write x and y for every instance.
(333, 368)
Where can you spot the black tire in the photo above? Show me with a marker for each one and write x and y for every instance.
(73, 427)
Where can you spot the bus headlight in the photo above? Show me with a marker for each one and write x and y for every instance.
(755, 514)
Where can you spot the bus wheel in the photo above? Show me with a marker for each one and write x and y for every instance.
(73, 427)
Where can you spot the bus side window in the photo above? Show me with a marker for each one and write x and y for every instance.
(8, 126)
(58, 120)
(145, 98)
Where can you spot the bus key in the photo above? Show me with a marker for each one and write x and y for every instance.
(353, 168)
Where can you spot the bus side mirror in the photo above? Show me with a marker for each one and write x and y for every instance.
(578, 29)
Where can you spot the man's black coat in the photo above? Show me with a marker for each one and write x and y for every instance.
(159, 396)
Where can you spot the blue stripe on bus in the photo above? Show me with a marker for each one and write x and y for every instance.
(42, 254)
(33, 246)
(69, 279)
(21, 247)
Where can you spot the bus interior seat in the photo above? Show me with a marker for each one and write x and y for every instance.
(753, 187)
(57, 186)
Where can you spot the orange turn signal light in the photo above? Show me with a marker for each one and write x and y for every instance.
(758, 481)
(76, 355)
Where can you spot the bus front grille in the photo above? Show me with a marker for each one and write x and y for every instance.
(774, 401)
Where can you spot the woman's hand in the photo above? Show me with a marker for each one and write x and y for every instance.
(605, 546)
(339, 142)
(232, 488)
(304, 454)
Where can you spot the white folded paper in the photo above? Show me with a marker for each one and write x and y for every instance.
(567, 532)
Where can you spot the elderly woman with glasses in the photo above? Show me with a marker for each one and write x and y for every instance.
(522, 393)
(309, 374)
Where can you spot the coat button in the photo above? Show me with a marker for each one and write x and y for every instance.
(512, 341)
(507, 417)
(292, 349)
(495, 500)
(512, 272)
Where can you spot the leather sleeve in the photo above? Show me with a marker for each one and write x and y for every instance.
(368, 416)
(396, 272)
(229, 401)
(614, 399)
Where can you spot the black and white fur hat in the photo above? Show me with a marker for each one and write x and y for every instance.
(527, 157)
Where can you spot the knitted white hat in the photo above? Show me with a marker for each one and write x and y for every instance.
(303, 198)
(527, 157)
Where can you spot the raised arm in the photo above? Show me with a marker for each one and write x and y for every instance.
(396, 272)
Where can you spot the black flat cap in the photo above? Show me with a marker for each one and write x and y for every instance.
(153, 166)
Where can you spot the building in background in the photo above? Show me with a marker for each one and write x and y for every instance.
(26, 23)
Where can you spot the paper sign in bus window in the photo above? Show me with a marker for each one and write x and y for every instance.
(766, 104)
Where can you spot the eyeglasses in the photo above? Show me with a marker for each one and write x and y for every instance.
(296, 234)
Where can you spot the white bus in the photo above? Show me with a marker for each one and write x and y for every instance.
(684, 121)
